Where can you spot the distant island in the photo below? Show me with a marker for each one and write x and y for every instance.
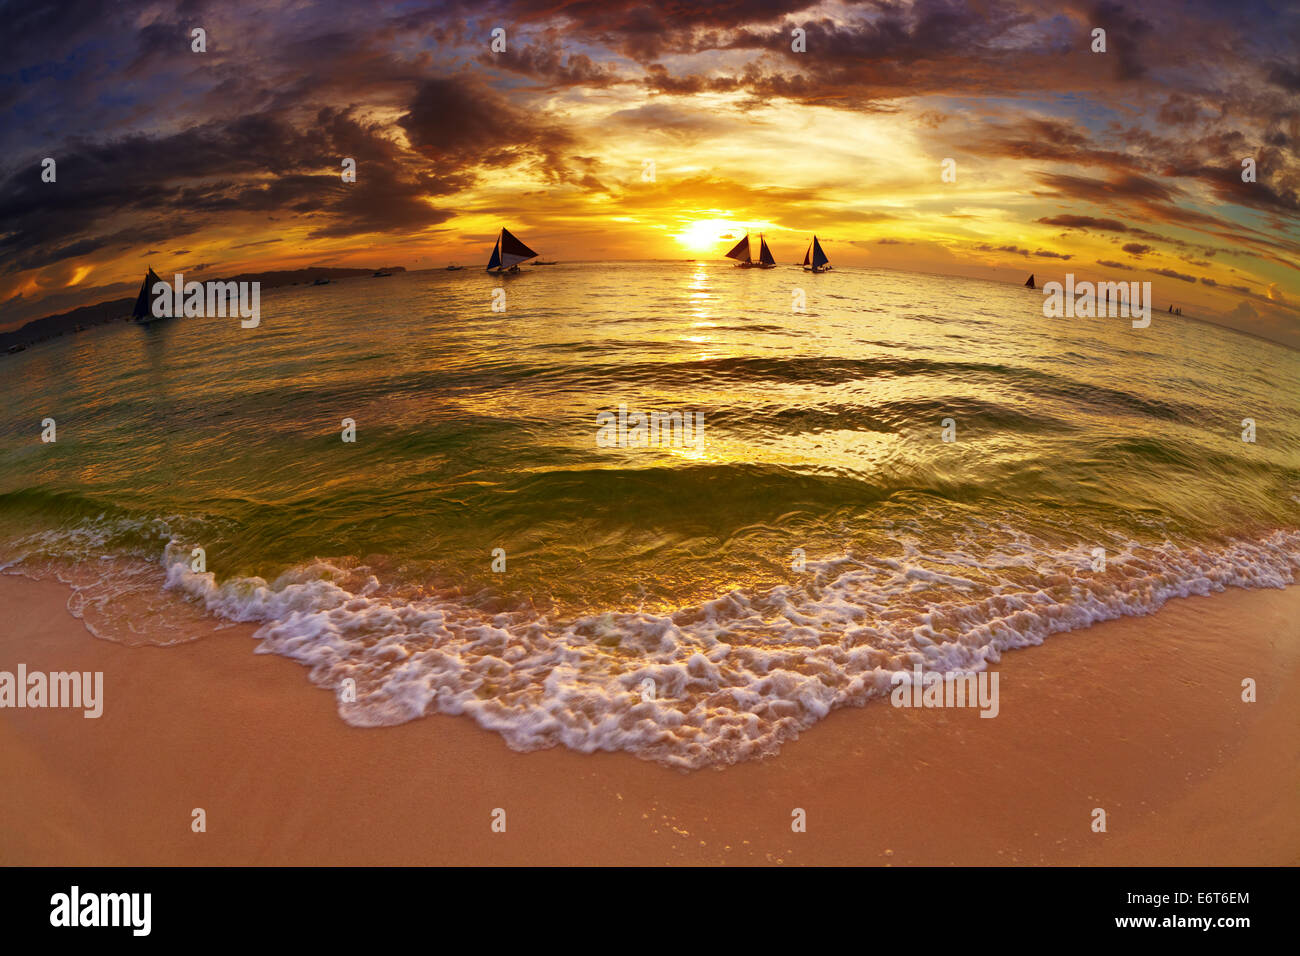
(119, 310)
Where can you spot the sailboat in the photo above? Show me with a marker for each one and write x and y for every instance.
(1029, 283)
(740, 252)
(507, 254)
(814, 260)
(143, 311)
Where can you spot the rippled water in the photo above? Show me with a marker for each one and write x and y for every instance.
(477, 430)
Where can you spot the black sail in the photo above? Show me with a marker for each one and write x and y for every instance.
(513, 251)
(740, 251)
(142, 301)
(819, 257)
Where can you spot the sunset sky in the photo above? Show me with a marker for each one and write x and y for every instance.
(1119, 165)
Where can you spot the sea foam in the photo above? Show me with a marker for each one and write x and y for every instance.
(714, 683)
(723, 681)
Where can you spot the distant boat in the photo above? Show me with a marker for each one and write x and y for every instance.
(1171, 308)
(321, 281)
(1029, 283)
(381, 274)
(548, 262)
(143, 311)
(454, 268)
(814, 260)
(507, 254)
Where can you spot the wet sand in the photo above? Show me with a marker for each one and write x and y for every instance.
(1142, 717)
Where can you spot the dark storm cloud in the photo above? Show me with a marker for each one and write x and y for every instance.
(1286, 76)
(1093, 223)
(1275, 188)
(547, 62)
(1179, 110)
(155, 142)
(458, 119)
(178, 181)
(1127, 32)
(1171, 274)
(1016, 250)
(1085, 222)
(645, 30)
(1122, 187)
(459, 123)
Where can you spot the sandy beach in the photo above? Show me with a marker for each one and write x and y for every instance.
(1142, 717)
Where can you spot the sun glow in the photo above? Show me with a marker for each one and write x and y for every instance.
(706, 235)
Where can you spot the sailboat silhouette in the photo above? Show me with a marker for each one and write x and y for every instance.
(740, 252)
(814, 260)
(507, 254)
(143, 312)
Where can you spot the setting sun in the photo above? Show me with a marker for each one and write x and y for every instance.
(676, 427)
(706, 235)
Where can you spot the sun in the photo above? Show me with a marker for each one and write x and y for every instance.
(705, 235)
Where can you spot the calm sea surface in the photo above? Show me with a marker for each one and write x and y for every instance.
(816, 536)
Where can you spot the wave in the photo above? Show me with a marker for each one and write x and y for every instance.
(713, 683)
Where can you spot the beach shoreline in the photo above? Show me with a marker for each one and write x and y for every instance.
(1141, 717)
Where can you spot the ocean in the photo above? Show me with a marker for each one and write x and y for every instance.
(491, 546)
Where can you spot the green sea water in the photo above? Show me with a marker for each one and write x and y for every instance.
(818, 535)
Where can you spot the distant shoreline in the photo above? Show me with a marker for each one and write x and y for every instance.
(118, 310)
(84, 317)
